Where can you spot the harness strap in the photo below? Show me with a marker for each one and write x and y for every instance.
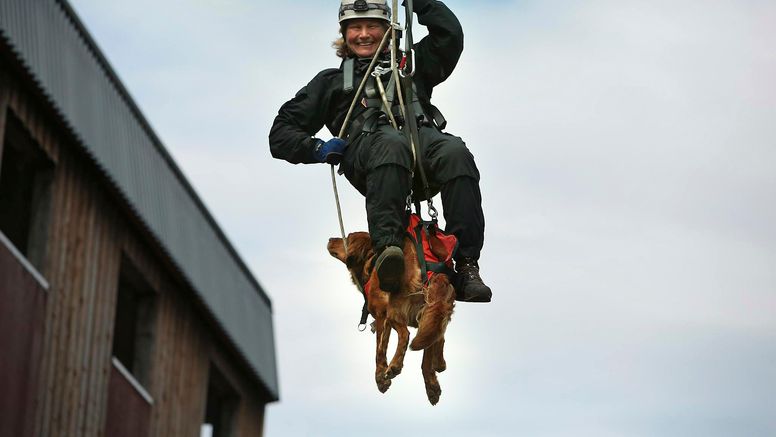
(420, 252)
(370, 90)
(411, 130)
(347, 77)
(440, 267)
(364, 316)
(408, 41)
(387, 106)
(364, 122)
(390, 91)
(439, 120)
(397, 109)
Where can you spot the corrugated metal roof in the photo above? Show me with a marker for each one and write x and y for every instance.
(69, 69)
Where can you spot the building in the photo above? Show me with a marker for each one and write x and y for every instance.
(124, 310)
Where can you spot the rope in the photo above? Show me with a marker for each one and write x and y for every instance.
(339, 208)
(386, 105)
(410, 117)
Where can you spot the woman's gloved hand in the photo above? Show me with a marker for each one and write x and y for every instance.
(330, 151)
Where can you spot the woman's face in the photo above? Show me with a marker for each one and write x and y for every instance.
(363, 36)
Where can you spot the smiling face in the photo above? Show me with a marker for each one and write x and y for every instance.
(363, 36)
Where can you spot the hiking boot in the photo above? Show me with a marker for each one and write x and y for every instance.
(390, 268)
(470, 286)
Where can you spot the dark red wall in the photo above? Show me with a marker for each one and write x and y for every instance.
(22, 311)
(129, 413)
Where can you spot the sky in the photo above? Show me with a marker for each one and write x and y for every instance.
(628, 158)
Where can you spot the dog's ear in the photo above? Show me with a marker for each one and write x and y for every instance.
(337, 249)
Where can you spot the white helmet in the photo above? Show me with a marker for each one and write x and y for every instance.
(377, 9)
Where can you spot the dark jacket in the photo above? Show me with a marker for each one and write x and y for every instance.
(323, 101)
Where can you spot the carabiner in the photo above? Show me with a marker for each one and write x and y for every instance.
(402, 72)
(432, 211)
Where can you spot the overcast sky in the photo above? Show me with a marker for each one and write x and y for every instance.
(628, 159)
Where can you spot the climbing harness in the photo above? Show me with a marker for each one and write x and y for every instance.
(435, 249)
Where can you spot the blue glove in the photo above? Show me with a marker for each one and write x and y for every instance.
(330, 151)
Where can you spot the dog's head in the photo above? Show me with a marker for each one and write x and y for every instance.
(359, 258)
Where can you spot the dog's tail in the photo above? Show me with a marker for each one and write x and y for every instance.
(440, 298)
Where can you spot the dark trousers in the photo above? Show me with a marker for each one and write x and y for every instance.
(378, 164)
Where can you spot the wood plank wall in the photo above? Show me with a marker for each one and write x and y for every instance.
(89, 232)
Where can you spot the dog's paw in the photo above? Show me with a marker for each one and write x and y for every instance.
(392, 372)
(383, 384)
(433, 391)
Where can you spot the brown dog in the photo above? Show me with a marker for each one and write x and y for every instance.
(428, 308)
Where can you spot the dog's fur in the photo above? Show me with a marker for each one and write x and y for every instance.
(427, 308)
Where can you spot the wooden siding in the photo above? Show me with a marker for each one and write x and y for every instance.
(47, 42)
(90, 230)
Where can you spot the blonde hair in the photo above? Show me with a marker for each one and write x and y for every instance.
(339, 44)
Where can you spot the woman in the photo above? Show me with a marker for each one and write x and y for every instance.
(374, 156)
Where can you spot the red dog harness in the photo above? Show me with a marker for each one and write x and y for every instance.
(435, 249)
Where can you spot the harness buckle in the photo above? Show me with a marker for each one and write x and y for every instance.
(379, 71)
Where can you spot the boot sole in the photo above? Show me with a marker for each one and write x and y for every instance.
(483, 297)
(474, 299)
(390, 269)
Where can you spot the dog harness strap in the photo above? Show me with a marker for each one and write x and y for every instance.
(435, 249)
(364, 315)
(421, 253)
(440, 267)
(365, 309)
